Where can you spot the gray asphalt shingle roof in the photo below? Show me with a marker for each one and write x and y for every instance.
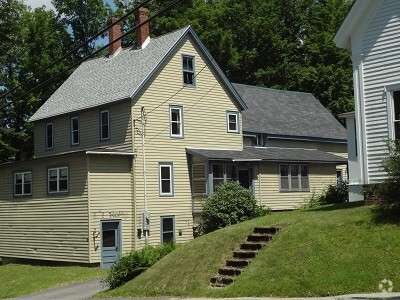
(276, 154)
(278, 112)
(106, 80)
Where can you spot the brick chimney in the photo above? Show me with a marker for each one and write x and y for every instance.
(142, 33)
(114, 33)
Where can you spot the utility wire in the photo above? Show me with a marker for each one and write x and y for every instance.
(76, 48)
(164, 9)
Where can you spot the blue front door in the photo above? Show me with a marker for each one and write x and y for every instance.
(110, 242)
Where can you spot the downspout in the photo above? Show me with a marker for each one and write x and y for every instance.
(133, 168)
(259, 182)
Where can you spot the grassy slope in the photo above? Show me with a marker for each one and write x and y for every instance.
(329, 251)
(25, 279)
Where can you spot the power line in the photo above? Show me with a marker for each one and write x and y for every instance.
(76, 48)
(164, 9)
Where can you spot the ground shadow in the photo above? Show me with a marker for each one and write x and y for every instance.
(338, 206)
(382, 216)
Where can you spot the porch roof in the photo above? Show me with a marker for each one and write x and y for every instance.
(274, 154)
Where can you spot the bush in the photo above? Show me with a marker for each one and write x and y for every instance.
(335, 194)
(135, 263)
(386, 195)
(229, 204)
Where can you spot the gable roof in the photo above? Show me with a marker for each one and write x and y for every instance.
(104, 80)
(359, 10)
(285, 113)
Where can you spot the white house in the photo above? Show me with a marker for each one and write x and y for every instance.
(371, 31)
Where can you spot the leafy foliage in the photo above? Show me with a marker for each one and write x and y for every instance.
(135, 263)
(387, 193)
(337, 193)
(229, 204)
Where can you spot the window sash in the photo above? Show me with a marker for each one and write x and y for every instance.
(188, 70)
(57, 180)
(232, 119)
(165, 175)
(75, 131)
(23, 184)
(167, 230)
(294, 177)
(104, 125)
(49, 136)
(176, 121)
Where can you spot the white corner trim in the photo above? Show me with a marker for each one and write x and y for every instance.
(115, 53)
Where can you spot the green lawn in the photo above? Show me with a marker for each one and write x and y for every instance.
(331, 250)
(16, 279)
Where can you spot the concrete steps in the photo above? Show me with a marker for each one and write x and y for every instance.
(243, 256)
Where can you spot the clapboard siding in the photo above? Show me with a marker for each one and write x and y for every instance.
(45, 227)
(120, 131)
(266, 185)
(381, 50)
(204, 108)
(110, 198)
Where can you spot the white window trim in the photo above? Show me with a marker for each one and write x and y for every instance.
(171, 180)
(188, 71)
(180, 108)
(236, 114)
(390, 89)
(101, 125)
(58, 180)
(47, 136)
(300, 189)
(23, 184)
(72, 131)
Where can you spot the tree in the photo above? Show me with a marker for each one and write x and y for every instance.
(39, 38)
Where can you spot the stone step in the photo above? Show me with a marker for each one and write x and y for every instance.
(266, 230)
(231, 271)
(251, 246)
(244, 254)
(222, 280)
(259, 237)
(237, 263)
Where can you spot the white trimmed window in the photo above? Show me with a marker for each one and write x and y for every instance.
(22, 184)
(75, 131)
(222, 173)
(294, 177)
(57, 180)
(396, 115)
(49, 136)
(188, 70)
(104, 125)
(165, 179)
(176, 121)
(232, 121)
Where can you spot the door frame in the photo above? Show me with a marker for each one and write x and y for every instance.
(119, 238)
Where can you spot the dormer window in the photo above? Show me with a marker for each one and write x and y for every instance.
(188, 70)
(176, 121)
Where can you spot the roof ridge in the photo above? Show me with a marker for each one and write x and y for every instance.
(269, 89)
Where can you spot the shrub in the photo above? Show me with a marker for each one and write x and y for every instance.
(135, 263)
(229, 204)
(335, 194)
(386, 195)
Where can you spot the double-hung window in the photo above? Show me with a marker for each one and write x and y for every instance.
(57, 180)
(167, 230)
(75, 131)
(104, 125)
(165, 179)
(222, 173)
(188, 70)
(176, 121)
(396, 115)
(49, 136)
(22, 184)
(232, 121)
(294, 177)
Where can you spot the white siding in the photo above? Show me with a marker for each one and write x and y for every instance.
(381, 64)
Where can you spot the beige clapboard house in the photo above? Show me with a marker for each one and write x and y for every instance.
(82, 198)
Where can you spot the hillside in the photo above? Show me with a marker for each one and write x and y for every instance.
(331, 250)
